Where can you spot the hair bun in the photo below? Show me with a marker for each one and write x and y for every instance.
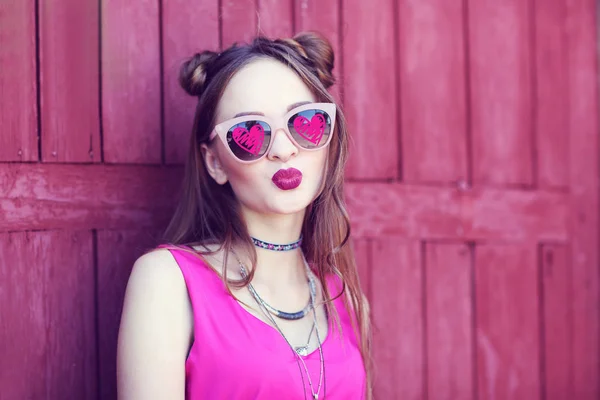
(192, 74)
(318, 50)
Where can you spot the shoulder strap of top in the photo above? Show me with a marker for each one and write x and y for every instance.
(200, 278)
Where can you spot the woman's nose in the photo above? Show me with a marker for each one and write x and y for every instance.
(283, 148)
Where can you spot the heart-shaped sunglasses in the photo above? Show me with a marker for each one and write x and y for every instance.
(249, 137)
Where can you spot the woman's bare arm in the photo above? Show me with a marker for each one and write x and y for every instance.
(155, 332)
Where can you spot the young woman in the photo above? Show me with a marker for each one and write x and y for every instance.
(256, 293)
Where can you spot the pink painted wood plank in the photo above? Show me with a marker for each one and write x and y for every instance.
(323, 17)
(507, 322)
(396, 303)
(239, 21)
(188, 27)
(41, 196)
(582, 67)
(433, 91)
(551, 119)
(117, 251)
(71, 315)
(501, 104)
(69, 81)
(275, 18)
(362, 253)
(23, 342)
(557, 326)
(47, 330)
(370, 93)
(450, 341)
(18, 82)
(439, 213)
(131, 107)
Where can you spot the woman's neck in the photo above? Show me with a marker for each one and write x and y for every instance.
(277, 267)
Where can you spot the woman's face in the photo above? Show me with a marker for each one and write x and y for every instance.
(269, 87)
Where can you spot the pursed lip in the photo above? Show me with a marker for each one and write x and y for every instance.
(287, 179)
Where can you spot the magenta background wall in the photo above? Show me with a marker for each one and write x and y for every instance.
(473, 184)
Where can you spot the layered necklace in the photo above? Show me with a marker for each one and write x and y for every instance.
(271, 312)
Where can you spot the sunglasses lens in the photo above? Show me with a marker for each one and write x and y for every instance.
(249, 140)
(310, 128)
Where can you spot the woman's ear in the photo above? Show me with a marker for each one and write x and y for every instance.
(213, 164)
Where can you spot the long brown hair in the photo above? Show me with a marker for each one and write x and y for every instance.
(208, 213)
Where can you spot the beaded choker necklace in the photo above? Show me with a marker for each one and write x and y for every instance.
(277, 247)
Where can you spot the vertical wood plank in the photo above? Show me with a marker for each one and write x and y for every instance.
(69, 81)
(188, 27)
(47, 330)
(551, 119)
(23, 342)
(18, 81)
(557, 324)
(499, 37)
(275, 18)
(323, 17)
(117, 251)
(433, 91)
(396, 305)
(507, 321)
(584, 175)
(131, 104)
(370, 93)
(238, 21)
(71, 315)
(449, 321)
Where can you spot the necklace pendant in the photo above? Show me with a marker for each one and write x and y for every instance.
(302, 350)
(316, 396)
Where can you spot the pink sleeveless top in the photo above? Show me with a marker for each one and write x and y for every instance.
(235, 355)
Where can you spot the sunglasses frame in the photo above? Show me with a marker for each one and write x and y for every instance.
(275, 123)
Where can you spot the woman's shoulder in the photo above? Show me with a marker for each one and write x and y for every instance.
(156, 272)
(157, 262)
(156, 324)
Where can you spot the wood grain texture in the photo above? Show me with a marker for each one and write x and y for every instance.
(323, 17)
(433, 124)
(69, 81)
(370, 92)
(48, 331)
(188, 28)
(500, 79)
(397, 307)
(507, 321)
(35, 196)
(437, 212)
(584, 176)
(131, 103)
(117, 251)
(552, 100)
(275, 18)
(18, 81)
(557, 322)
(449, 328)
(239, 21)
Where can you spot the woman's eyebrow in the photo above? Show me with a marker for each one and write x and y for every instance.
(290, 107)
(248, 113)
(300, 103)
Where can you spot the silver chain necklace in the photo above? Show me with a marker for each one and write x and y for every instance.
(282, 314)
(303, 350)
(297, 355)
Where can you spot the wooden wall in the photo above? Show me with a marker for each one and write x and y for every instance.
(473, 183)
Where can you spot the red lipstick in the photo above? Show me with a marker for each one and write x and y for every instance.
(287, 179)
